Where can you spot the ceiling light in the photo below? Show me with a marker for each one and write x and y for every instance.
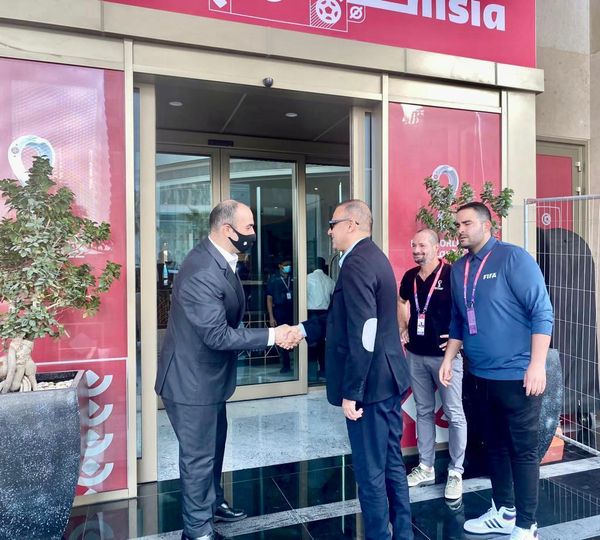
(176, 103)
(316, 189)
(291, 114)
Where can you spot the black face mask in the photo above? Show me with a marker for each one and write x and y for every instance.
(244, 242)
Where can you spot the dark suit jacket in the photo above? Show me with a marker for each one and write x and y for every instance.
(197, 364)
(362, 365)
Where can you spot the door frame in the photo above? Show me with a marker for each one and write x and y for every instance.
(147, 464)
(300, 385)
(575, 149)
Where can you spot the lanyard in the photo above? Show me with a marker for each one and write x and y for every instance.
(467, 266)
(287, 285)
(431, 289)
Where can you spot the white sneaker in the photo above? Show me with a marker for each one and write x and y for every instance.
(420, 476)
(454, 486)
(495, 520)
(524, 534)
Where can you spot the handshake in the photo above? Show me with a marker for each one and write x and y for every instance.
(288, 337)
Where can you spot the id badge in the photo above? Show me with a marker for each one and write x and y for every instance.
(471, 321)
(421, 324)
(288, 295)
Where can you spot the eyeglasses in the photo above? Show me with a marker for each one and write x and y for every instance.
(334, 222)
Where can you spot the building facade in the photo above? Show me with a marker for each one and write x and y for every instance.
(155, 110)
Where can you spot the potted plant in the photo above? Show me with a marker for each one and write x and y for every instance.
(41, 238)
(443, 203)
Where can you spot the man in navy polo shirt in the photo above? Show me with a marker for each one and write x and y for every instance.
(502, 317)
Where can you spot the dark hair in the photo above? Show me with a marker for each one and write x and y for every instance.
(223, 213)
(481, 209)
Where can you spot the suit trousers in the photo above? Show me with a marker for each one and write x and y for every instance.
(379, 470)
(201, 431)
(511, 434)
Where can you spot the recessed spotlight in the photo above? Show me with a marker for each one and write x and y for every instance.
(176, 103)
(316, 189)
(291, 114)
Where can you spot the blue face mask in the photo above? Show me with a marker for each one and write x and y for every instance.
(286, 269)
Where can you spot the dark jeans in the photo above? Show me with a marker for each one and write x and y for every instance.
(511, 435)
(379, 470)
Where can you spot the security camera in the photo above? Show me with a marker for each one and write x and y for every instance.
(268, 82)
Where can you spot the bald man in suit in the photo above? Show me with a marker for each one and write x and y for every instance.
(366, 369)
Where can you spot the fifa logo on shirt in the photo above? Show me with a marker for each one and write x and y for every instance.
(492, 275)
(439, 286)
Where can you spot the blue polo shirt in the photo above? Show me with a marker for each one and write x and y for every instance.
(511, 304)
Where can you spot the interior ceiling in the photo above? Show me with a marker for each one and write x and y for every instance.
(229, 109)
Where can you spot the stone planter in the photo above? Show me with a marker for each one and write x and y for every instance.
(552, 402)
(40, 455)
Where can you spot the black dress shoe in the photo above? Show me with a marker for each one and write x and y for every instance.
(224, 512)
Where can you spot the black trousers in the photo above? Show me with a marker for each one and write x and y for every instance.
(379, 470)
(319, 348)
(511, 437)
(201, 431)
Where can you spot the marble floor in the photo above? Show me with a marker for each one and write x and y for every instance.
(288, 465)
(268, 432)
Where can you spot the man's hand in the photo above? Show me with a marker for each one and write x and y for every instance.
(535, 380)
(288, 337)
(272, 321)
(535, 376)
(452, 346)
(446, 371)
(404, 338)
(444, 343)
(349, 408)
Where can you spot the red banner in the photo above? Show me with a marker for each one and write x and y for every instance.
(75, 116)
(454, 146)
(496, 30)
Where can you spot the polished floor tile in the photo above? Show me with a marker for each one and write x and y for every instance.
(292, 532)
(108, 520)
(317, 487)
(439, 519)
(268, 432)
(346, 528)
(288, 465)
(283, 469)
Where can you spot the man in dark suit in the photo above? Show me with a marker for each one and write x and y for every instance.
(197, 365)
(366, 369)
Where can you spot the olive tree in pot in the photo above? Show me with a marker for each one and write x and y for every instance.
(41, 238)
(438, 214)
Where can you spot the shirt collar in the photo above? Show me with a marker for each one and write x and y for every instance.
(348, 251)
(488, 246)
(231, 258)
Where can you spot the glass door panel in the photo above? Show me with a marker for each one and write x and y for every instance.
(183, 205)
(267, 272)
(326, 187)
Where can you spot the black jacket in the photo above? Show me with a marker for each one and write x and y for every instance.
(364, 359)
(197, 364)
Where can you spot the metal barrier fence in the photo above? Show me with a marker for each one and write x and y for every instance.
(566, 234)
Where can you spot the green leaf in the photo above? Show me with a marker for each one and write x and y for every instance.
(438, 213)
(37, 278)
